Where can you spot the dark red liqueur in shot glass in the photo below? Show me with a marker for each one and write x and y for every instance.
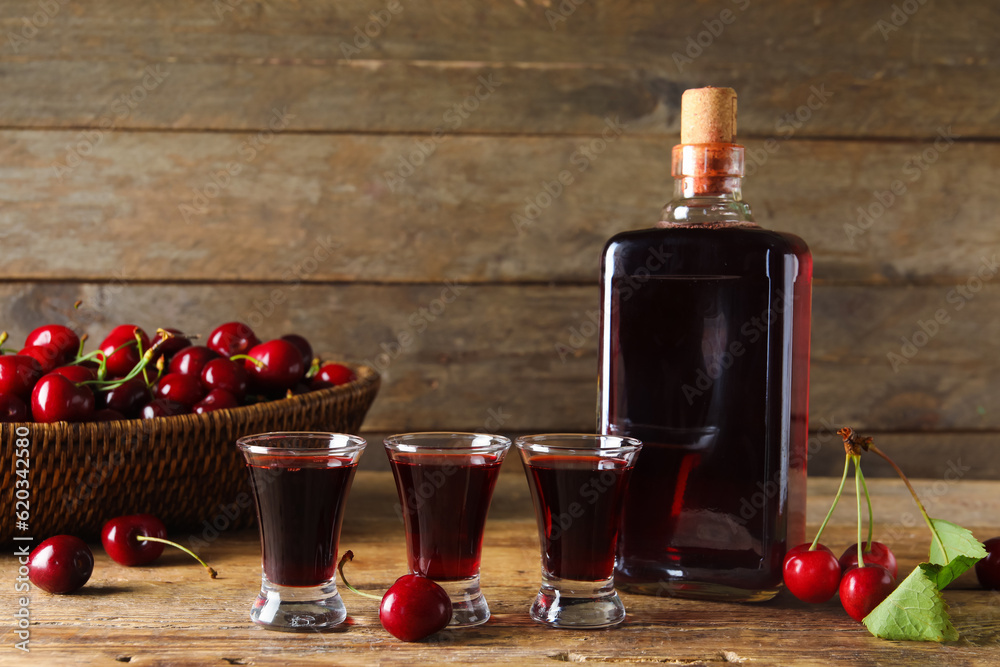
(578, 502)
(445, 485)
(300, 519)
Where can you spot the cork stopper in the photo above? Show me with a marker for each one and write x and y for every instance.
(708, 116)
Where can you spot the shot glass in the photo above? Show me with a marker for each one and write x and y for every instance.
(445, 483)
(578, 487)
(300, 484)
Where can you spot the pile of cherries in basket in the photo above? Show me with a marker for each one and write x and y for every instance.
(131, 375)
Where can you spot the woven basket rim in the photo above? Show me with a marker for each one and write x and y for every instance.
(365, 377)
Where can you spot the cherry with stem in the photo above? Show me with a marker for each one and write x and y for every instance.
(810, 571)
(865, 587)
(138, 539)
(864, 443)
(413, 608)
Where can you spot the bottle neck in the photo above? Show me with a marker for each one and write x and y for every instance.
(707, 186)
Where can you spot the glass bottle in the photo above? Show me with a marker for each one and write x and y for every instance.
(705, 358)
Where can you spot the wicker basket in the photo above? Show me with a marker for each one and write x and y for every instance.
(184, 469)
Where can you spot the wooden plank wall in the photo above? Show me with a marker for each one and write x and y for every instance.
(187, 162)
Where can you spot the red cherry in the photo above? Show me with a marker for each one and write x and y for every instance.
(281, 367)
(191, 360)
(119, 539)
(863, 588)
(226, 374)
(76, 373)
(127, 398)
(124, 360)
(232, 338)
(13, 409)
(172, 346)
(60, 564)
(988, 569)
(812, 576)
(414, 607)
(180, 388)
(879, 554)
(18, 375)
(304, 346)
(122, 539)
(217, 399)
(160, 407)
(55, 398)
(63, 338)
(331, 375)
(48, 356)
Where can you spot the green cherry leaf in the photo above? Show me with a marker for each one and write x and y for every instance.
(960, 544)
(915, 611)
(953, 570)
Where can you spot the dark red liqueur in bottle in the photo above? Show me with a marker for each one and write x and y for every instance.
(300, 506)
(704, 357)
(578, 502)
(436, 485)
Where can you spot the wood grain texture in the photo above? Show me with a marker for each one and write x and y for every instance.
(171, 613)
(478, 209)
(934, 455)
(524, 357)
(564, 68)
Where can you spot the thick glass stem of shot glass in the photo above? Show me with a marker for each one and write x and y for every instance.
(298, 608)
(564, 603)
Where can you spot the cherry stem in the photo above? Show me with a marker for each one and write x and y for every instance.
(79, 351)
(916, 499)
(96, 354)
(871, 516)
(843, 480)
(346, 558)
(857, 493)
(256, 362)
(149, 538)
(138, 345)
(3, 339)
(313, 368)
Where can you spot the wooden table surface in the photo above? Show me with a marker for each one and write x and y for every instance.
(172, 613)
